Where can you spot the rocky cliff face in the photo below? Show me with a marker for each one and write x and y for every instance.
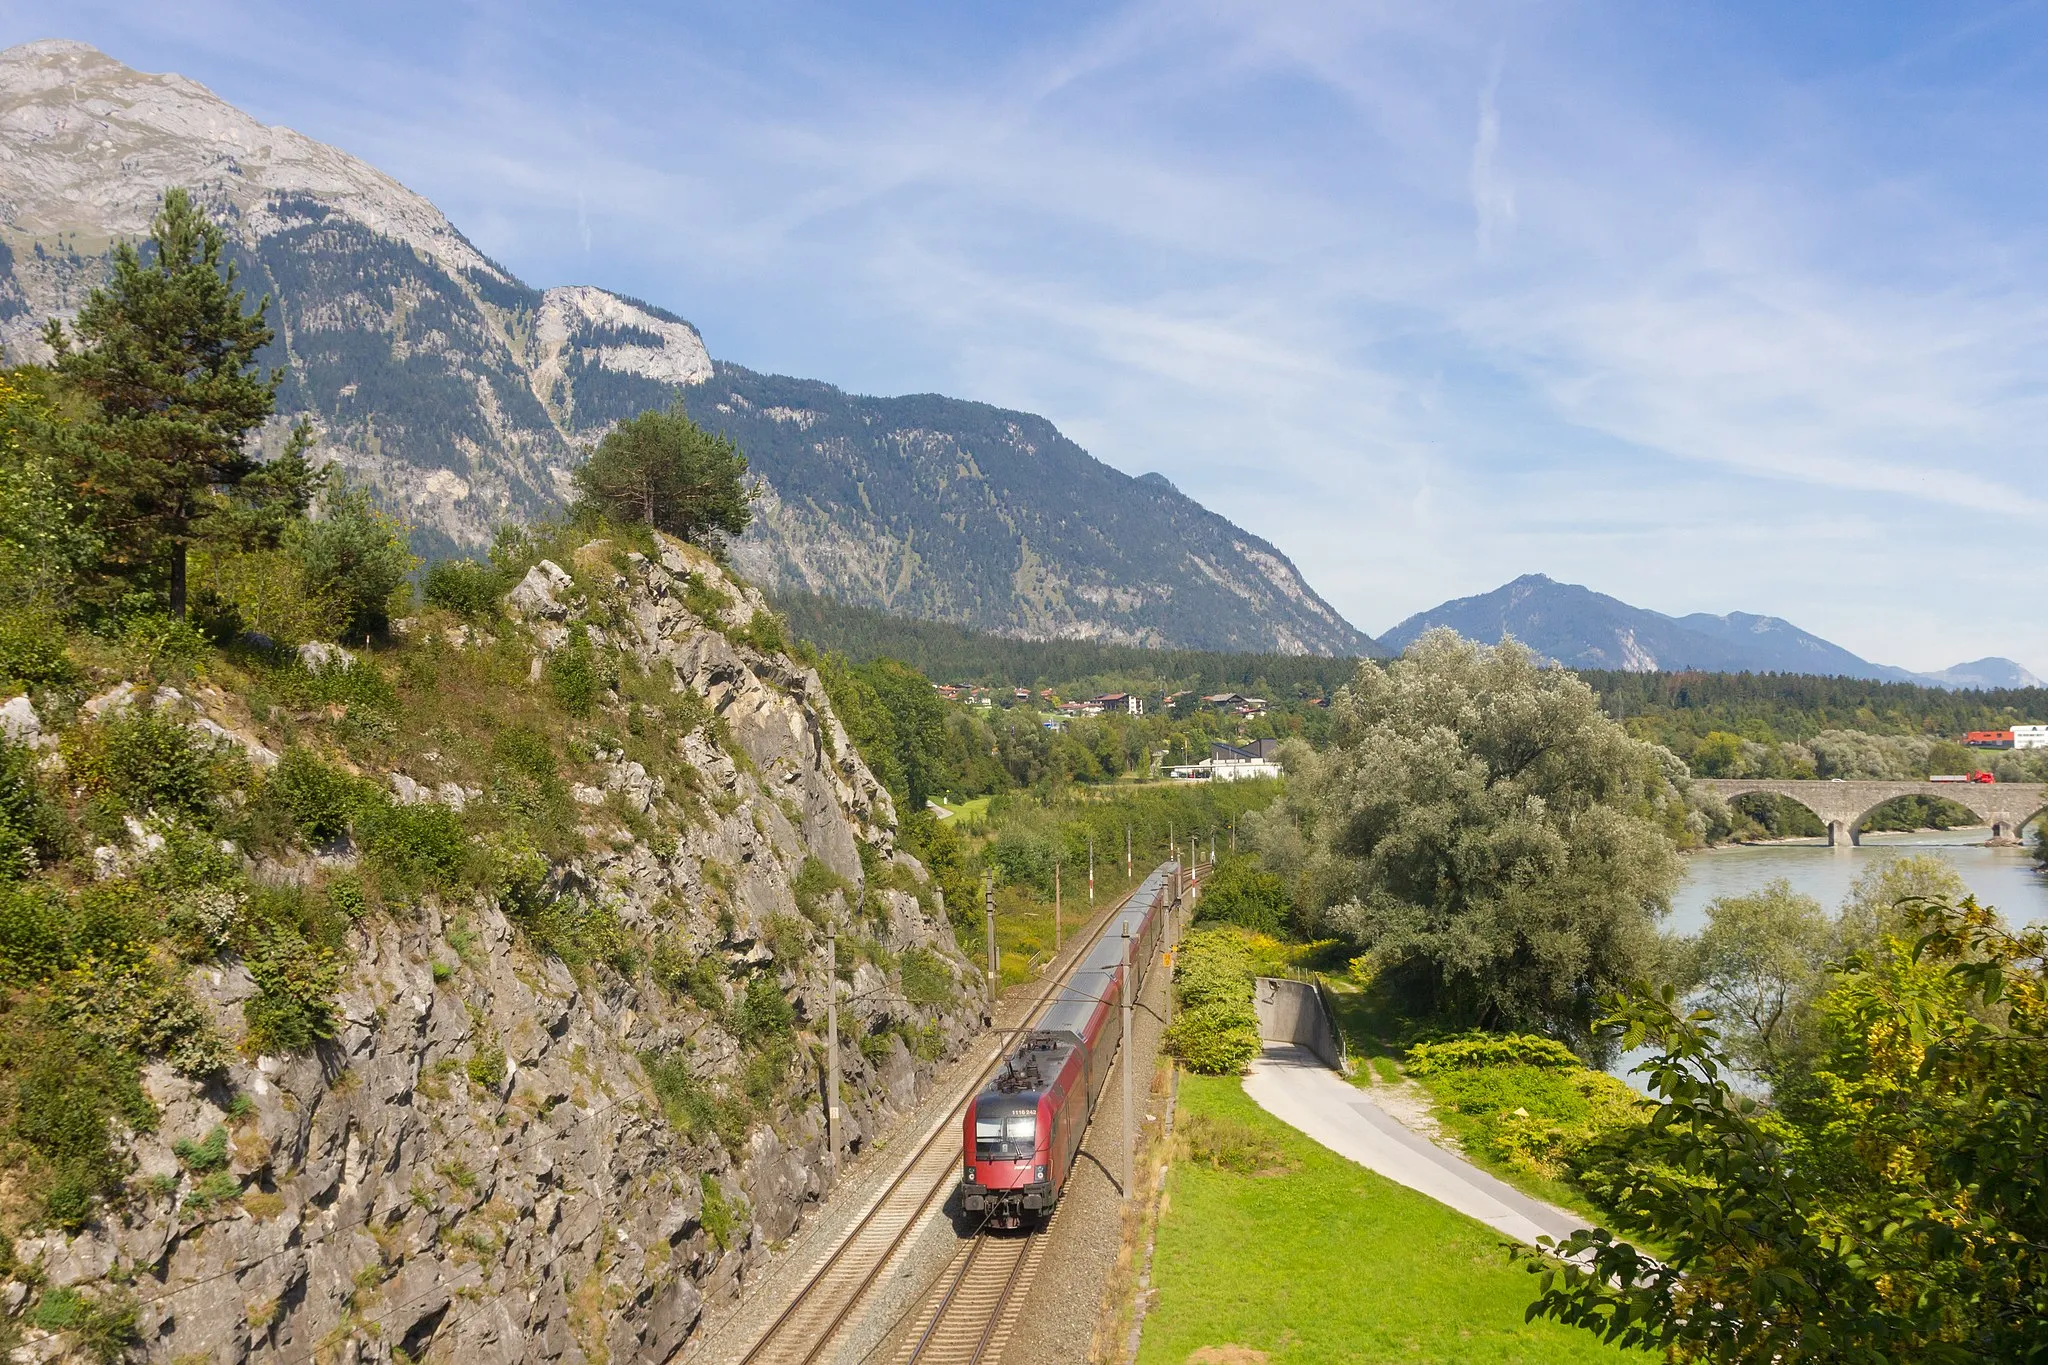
(465, 396)
(497, 1158)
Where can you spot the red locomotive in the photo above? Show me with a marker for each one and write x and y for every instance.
(1022, 1131)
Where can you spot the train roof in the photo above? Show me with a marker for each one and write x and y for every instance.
(1091, 981)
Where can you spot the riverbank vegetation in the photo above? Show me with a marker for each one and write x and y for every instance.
(1498, 847)
(1886, 1207)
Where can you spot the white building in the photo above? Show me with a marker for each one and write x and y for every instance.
(1234, 762)
(2030, 736)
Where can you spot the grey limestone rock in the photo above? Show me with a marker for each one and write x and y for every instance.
(476, 1166)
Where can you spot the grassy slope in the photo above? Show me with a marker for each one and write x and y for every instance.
(1330, 1262)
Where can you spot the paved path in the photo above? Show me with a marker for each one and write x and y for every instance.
(1289, 1083)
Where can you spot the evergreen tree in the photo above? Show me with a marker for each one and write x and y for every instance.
(167, 355)
(663, 469)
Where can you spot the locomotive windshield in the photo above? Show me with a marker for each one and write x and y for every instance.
(1004, 1134)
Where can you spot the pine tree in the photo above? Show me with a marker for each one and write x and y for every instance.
(663, 469)
(167, 354)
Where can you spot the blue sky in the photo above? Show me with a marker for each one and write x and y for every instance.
(1719, 308)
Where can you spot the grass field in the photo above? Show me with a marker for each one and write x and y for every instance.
(1273, 1244)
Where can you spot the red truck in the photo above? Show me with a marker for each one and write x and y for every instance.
(1963, 777)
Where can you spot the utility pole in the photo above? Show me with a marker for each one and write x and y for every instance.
(1056, 929)
(1127, 850)
(1091, 874)
(1212, 850)
(832, 1046)
(1130, 1136)
(988, 885)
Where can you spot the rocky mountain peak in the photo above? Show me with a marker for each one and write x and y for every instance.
(91, 145)
(463, 397)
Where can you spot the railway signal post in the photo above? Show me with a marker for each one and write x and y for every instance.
(1127, 850)
(988, 901)
(1091, 874)
(832, 1048)
(1129, 1137)
(1057, 930)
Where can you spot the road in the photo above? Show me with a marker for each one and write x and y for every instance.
(1289, 1083)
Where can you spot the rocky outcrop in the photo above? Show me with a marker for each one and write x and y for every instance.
(496, 1158)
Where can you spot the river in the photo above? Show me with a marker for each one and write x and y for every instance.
(2005, 877)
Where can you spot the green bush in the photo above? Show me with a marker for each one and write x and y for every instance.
(33, 650)
(464, 586)
(24, 823)
(103, 1329)
(203, 1157)
(1539, 1119)
(703, 598)
(719, 1217)
(143, 761)
(211, 1191)
(1217, 1033)
(524, 777)
(421, 845)
(354, 557)
(320, 798)
(763, 631)
(1213, 966)
(33, 939)
(1217, 1039)
(687, 1101)
(1240, 892)
(927, 983)
(294, 1005)
(578, 676)
(762, 1012)
(516, 874)
(133, 1008)
(61, 1091)
(487, 1067)
(814, 883)
(685, 974)
(581, 932)
(1474, 1050)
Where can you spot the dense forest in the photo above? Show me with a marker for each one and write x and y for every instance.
(949, 653)
(1677, 709)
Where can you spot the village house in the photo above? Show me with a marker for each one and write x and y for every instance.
(1234, 762)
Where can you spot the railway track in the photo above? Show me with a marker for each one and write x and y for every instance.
(969, 1321)
(818, 1315)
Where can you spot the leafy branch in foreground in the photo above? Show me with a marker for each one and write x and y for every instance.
(1923, 1236)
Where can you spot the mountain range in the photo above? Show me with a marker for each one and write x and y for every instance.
(464, 396)
(1580, 628)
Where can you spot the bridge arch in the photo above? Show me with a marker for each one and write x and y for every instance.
(1841, 806)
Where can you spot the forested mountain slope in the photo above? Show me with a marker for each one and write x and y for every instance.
(464, 395)
(955, 511)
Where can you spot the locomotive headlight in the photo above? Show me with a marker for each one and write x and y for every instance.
(1039, 1173)
(970, 1173)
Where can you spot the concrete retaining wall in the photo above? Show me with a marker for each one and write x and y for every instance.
(1292, 1012)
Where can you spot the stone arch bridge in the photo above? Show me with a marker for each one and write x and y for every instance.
(1840, 805)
